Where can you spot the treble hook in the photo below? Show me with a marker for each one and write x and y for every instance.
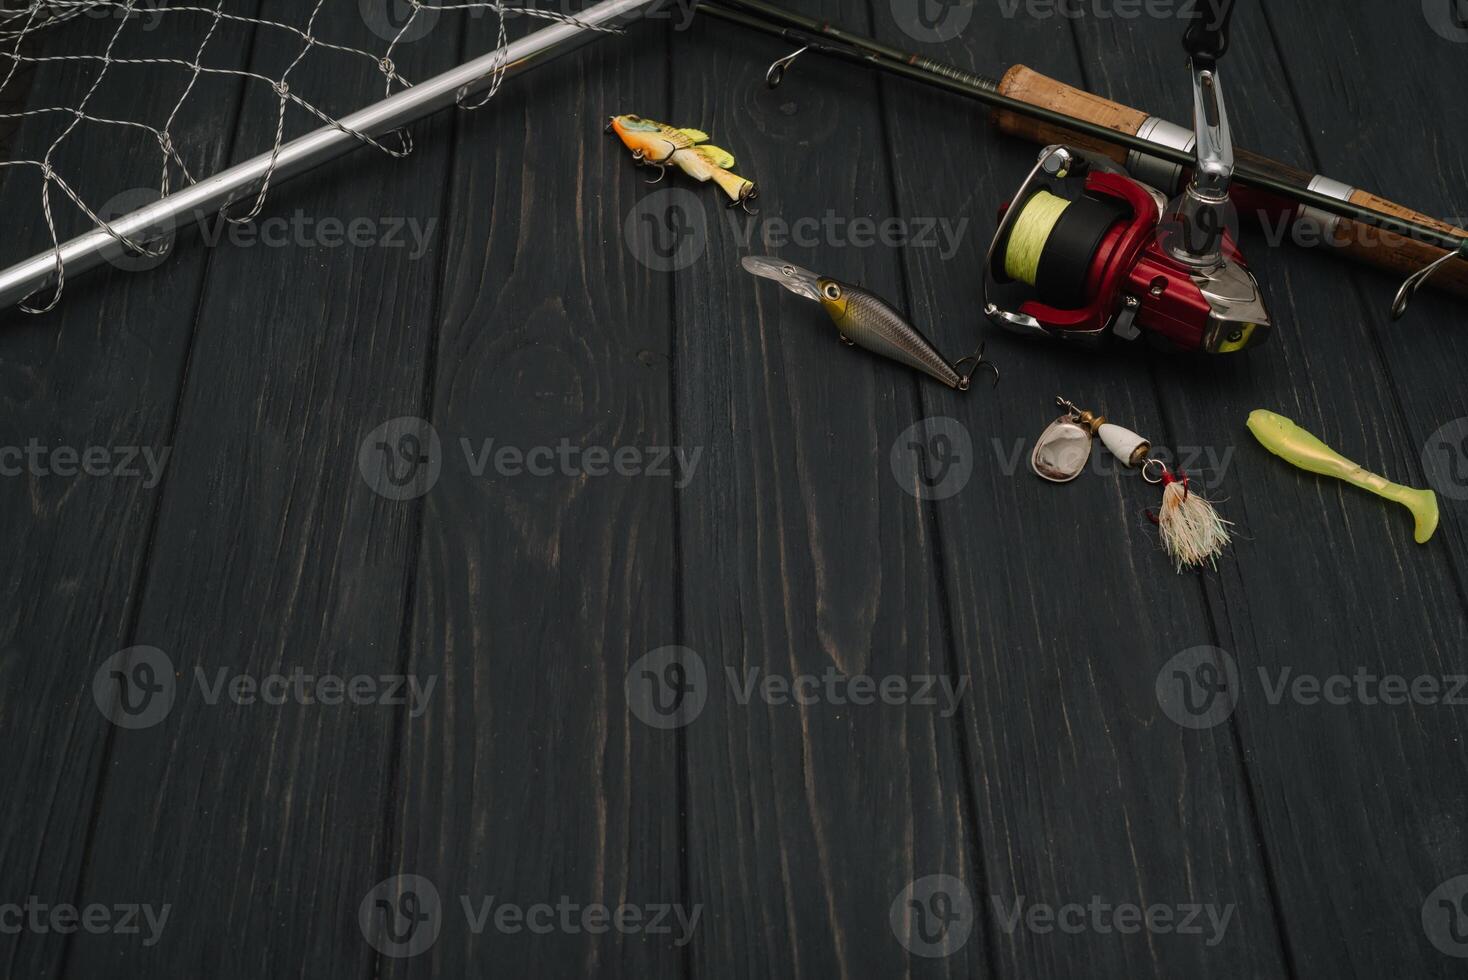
(776, 73)
(1419, 278)
(743, 202)
(643, 161)
(977, 357)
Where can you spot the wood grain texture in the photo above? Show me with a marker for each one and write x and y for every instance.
(1065, 610)
(272, 555)
(104, 370)
(538, 317)
(1324, 580)
(535, 782)
(803, 553)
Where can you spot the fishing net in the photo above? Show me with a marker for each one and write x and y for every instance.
(116, 47)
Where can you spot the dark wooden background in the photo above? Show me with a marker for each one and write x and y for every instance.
(794, 548)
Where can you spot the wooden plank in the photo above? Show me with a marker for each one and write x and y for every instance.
(803, 555)
(534, 784)
(257, 822)
(104, 370)
(1064, 607)
(1326, 580)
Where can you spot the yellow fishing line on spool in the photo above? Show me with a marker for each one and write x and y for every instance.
(1030, 233)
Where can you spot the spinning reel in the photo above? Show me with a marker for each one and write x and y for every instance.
(1116, 258)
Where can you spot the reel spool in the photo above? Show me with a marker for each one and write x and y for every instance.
(1054, 243)
(1100, 262)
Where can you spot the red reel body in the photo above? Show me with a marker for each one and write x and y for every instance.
(1136, 281)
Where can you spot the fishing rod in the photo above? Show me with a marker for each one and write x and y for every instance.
(1160, 153)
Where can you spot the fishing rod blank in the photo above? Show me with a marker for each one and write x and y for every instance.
(1043, 110)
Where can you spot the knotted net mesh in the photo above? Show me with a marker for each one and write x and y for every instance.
(113, 50)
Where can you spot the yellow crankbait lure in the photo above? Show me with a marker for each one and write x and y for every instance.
(1296, 446)
(659, 145)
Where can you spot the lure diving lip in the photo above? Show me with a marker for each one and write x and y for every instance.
(865, 320)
